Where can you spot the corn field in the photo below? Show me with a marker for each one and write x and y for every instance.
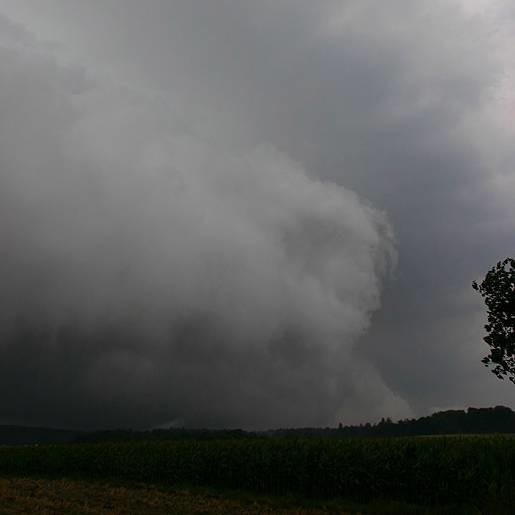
(421, 470)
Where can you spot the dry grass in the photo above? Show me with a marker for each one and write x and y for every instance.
(43, 496)
(86, 497)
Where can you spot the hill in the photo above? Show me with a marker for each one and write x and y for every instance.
(21, 435)
(500, 420)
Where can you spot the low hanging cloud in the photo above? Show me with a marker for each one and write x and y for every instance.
(178, 173)
(153, 275)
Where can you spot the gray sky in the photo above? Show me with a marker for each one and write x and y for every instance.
(250, 213)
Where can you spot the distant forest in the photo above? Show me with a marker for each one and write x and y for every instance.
(471, 421)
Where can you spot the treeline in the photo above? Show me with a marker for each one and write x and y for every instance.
(21, 435)
(157, 435)
(499, 420)
(472, 421)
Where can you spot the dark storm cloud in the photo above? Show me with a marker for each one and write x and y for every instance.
(187, 268)
(150, 275)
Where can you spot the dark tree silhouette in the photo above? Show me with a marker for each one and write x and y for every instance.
(498, 291)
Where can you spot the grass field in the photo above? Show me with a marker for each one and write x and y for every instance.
(77, 497)
(476, 472)
(43, 496)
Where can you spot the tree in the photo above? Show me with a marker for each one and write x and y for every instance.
(498, 291)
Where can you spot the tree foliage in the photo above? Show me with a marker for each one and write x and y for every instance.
(498, 291)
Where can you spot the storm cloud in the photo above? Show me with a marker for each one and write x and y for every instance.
(198, 202)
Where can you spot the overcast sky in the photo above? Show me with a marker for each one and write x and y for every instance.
(251, 213)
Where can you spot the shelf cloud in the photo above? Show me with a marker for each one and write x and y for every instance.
(152, 275)
(235, 213)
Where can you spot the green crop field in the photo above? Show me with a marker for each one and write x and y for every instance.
(476, 471)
